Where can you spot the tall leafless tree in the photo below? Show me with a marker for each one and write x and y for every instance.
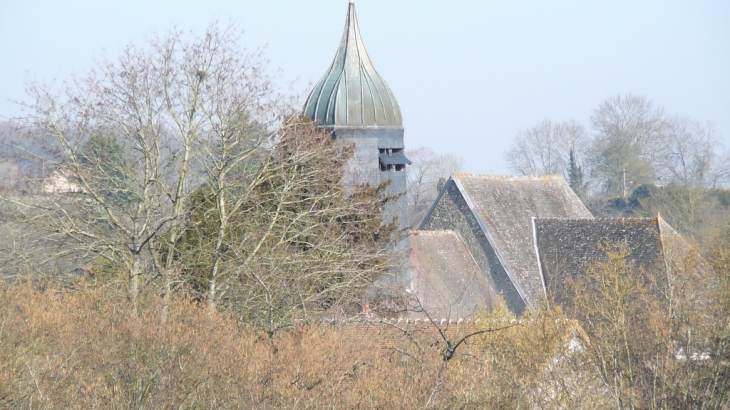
(629, 143)
(545, 148)
(182, 162)
(134, 140)
(695, 156)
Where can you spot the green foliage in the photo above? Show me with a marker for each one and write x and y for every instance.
(293, 242)
(440, 185)
(104, 157)
(193, 251)
(575, 175)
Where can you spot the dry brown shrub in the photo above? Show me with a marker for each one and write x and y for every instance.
(85, 348)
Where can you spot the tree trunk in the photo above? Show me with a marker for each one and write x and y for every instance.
(134, 281)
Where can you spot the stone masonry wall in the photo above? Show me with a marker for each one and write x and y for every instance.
(364, 168)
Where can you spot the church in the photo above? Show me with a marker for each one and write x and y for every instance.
(487, 239)
(356, 104)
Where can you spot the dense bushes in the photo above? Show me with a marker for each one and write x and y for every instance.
(79, 344)
(85, 348)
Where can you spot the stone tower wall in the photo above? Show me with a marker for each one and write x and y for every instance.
(364, 167)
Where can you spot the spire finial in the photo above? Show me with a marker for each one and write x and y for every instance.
(352, 1)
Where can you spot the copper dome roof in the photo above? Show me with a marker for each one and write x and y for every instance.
(352, 94)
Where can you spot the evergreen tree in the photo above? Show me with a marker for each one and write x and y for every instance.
(575, 175)
(440, 185)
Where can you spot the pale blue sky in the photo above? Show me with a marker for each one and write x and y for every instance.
(468, 74)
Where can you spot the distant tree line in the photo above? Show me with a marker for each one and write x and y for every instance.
(634, 159)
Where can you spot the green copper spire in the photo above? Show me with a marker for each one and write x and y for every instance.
(352, 94)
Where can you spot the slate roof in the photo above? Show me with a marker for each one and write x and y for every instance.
(396, 159)
(505, 206)
(534, 233)
(568, 247)
(445, 276)
(352, 94)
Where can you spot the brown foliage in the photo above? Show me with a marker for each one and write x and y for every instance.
(656, 341)
(83, 349)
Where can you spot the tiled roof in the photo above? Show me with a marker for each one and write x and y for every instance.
(506, 206)
(445, 276)
(568, 247)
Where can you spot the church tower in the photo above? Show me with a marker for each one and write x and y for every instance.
(354, 102)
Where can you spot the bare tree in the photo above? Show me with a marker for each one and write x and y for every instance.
(633, 143)
(628, 145)
(695, 157)
(545, 149)
(657, 341)
(426, 175)
(134, 137)
(289, 239)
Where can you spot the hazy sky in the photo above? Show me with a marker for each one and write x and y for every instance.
(468, 74)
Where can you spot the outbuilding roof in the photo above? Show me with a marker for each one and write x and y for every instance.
(569, 247)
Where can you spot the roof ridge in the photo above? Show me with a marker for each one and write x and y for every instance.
(431, 231)
(480, 221)
(508, 177)
(628, 218)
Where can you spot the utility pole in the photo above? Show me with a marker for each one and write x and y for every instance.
(623, 191)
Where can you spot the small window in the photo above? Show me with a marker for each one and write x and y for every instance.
(391, 151)
(392, 159)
